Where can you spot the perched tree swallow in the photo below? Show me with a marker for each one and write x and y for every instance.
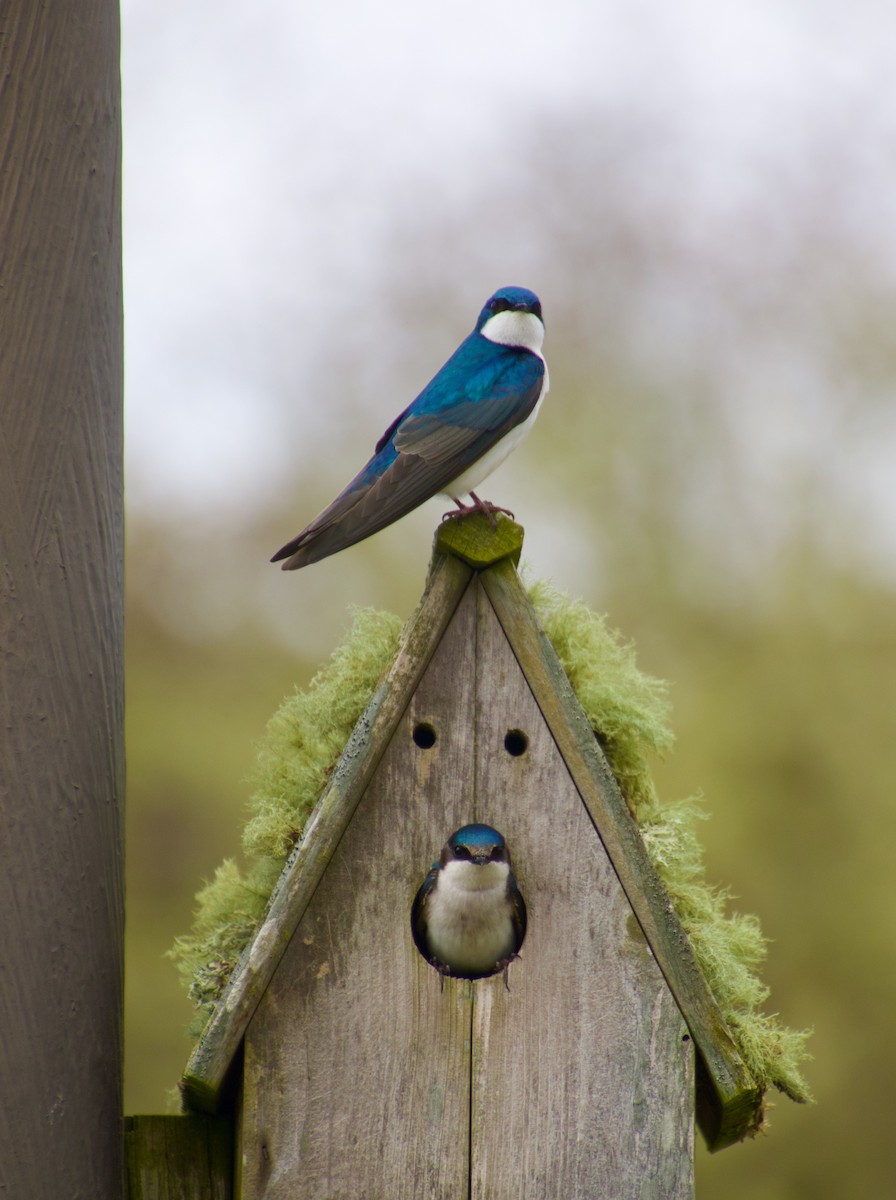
(462, 425)
(469, 919)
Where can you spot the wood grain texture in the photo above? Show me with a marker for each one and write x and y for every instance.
(362, 1077)
(356, 1064)
(177, 1157)
(208, 1066)
(732, 1108)
(61, 623)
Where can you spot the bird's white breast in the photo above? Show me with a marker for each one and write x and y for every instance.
(469, 923)
(507, 329)
(483, 467)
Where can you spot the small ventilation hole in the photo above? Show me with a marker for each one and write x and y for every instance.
(424, 735)
(515, 742)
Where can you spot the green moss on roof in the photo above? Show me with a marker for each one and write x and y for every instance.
(300, 747)
(629, 712)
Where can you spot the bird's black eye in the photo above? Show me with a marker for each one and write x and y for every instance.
(498, 854)
(463, 853)
(503, 304)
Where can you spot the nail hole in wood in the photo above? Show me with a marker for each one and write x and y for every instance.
(424, 735)
(516, 742)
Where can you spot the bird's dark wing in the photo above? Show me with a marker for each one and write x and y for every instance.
(417, 926)
(517, 912)
(376, 497)
(495, 400)
(436, 439)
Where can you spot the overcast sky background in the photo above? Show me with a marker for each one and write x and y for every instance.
(281, 158)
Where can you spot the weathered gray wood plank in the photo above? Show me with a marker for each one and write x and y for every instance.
(62, 751)
(583, 1072)
(737, 1110)
(208, 1066)
(174, 1157)
(356, 1063)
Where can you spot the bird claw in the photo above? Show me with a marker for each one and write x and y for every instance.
(504, 967)
(478, 506)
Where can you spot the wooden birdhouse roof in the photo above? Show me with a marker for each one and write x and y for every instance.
(474, 610)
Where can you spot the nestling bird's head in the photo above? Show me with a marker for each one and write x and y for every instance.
(475, 858)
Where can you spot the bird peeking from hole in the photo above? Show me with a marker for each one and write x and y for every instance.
(468, 919)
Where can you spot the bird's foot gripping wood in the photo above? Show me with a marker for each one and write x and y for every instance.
(504, 967)
(478, 506)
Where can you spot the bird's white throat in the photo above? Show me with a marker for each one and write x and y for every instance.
(456, 877)
(510, 328)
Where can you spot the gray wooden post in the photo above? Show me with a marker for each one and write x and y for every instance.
(61, 541)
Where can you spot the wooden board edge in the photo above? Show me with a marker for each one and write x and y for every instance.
(732, 1105)
(208, 1065)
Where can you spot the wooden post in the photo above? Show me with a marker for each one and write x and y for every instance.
(61, 549)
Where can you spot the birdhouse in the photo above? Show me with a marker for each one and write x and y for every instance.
(352, 1068)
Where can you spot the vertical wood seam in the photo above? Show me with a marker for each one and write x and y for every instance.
(477, 783)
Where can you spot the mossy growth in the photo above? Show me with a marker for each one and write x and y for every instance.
(629, 712)
(300, 747)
